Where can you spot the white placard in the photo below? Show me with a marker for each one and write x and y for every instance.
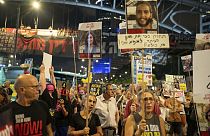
(47, 61)
(90, 26)
(128, 41)
(201, 76)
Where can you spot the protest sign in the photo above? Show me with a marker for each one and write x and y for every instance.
(129, 41)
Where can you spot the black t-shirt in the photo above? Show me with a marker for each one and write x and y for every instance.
(30, 120)
(60, 119)
(79, 123)
(51, 101)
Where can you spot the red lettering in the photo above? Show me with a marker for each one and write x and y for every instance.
(41, 44)
(40, 125)
(19, 43)
(35, 44)
(54, 44)
(19, 129)
(34, 127)
(30, 44)
(51, 42)
(64, 44)
(26, 129)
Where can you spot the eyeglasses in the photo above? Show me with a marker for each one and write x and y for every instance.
(146, 99)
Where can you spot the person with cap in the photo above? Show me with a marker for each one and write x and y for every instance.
(29, 115)
(107, 110)
(48, 92)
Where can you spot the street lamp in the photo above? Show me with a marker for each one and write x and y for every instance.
(36, 5)
(2, 1)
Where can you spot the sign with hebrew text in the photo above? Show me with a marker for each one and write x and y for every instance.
(129, 41)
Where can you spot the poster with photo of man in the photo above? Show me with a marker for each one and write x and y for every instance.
(90, 40)
(141, 16)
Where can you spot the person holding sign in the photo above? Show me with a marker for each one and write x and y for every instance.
(91, 45)
(144, 16)
(152, 124)
(78, 122)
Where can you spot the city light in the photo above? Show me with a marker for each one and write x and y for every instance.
(36, 4)
(2, 1)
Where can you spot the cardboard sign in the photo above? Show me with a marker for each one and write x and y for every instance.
(129, 41)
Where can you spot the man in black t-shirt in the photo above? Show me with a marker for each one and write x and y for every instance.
(30, 116)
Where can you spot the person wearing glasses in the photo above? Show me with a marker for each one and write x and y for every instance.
(27, 110)
(152, 124)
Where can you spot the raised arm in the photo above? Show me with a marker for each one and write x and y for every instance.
(42, 79)
(52, 77)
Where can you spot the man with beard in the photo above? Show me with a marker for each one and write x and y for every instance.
(144, 18)
(29, 115)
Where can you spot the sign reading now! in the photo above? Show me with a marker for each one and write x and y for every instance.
(128, 41)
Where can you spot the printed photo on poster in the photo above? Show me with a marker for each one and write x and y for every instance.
(202, 42)
(90, 43)
(202, 112)
(141, 15)
(90, 40)
(187, 63)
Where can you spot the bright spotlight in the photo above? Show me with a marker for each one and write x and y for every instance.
(2, 1)
(36, 4)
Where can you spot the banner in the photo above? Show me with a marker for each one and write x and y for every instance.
(202, 42)
(201, 76)
(6, 123)
(58, 46)
(187, 63)
(142, 16)
(130, 41)
(90, 40)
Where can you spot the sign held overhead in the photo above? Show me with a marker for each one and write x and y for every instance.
(128, 41)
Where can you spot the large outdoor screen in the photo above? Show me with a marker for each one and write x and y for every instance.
(102, 66)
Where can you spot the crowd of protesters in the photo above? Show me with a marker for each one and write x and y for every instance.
(41, 108)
